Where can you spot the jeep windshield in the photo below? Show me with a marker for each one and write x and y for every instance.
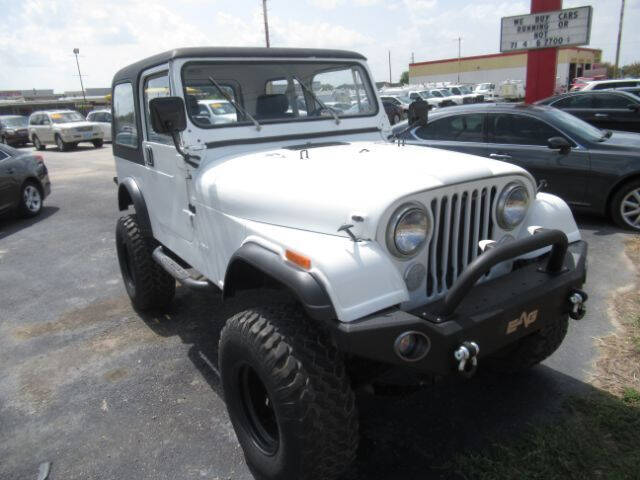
(66, 117)
(272, 92)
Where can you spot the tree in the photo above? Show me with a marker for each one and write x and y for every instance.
(404, 78)
(631, 70)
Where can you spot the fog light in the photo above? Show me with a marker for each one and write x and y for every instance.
(412, 346)
(414, 276)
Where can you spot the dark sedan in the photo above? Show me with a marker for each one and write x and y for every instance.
(24, 182)
(611, 109)
(591, 169)
(394, 112)
(14, 130)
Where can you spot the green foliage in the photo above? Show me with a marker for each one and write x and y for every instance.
(404, 78)
(631, 70)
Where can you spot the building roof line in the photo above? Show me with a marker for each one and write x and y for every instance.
(493, 55)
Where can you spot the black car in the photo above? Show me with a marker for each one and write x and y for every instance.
(591, 169)
(632, 90)
(394, 112)
(611, 109)
(13, 130)
(24, 182)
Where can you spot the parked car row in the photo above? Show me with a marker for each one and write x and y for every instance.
(13, 130)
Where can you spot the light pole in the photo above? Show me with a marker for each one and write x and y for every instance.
(266, 22)
(76, 51)
(616, 73)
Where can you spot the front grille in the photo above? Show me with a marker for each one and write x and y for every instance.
(460, 221)
(84, 129)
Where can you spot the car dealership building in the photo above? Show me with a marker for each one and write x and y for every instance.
(495, 68)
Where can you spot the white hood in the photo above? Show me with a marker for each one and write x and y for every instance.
(320, 193)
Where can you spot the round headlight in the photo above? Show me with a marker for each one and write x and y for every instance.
(512, 205)
(407, 230)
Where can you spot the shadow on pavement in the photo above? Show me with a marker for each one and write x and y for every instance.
(11, 224)
(598, 225)
(405, 437)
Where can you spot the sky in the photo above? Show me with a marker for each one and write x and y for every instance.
(37, 37)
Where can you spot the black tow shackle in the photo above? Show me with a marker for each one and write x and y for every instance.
(467, 357)
(577, 308)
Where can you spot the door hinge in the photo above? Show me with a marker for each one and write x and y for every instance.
(192, 208)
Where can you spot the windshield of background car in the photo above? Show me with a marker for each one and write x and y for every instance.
(272, 92)
(574, 126)
(66, 117)
(15, 122)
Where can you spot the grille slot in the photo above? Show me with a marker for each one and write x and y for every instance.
(83, 129)
(460, 221)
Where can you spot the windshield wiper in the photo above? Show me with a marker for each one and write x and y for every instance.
(322, 105)
(232, 102)
(605, 135)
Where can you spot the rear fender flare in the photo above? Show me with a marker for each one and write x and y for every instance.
(129, 193)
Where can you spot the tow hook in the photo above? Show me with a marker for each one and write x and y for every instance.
(576, 301)
(467, 357)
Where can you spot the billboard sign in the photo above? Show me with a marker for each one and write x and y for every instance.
(559, 28)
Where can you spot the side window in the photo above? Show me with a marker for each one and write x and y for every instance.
(610, 100)
(107, 117)
(519, 130)
(155, 87)
(91, 117)
(414, 96)
(44, 120)
(124, 116)
(456, 91)
(459, 128)
(574, 101)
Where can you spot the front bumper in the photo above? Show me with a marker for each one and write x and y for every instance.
(70, 137)
(493, 314)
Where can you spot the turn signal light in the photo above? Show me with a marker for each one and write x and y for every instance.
(300, 260)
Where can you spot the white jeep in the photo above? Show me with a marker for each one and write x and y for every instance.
(387, 258)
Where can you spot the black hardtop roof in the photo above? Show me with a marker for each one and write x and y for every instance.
(132, 71)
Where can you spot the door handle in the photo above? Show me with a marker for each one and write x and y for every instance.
(149, 155)
(500, 156)
(601, 115)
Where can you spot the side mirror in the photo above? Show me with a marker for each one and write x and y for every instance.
(168, 115)
(559, 143)
(419, 113)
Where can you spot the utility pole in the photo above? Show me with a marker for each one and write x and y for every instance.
(413, 59)
(76, 51)
(615, 68)
(459, 51)
(266, 22)
(390, 67)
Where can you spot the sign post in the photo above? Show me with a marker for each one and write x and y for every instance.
(541, 32)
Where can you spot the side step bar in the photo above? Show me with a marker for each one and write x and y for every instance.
(176, 271)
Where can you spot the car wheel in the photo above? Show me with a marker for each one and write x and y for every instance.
(146, 282)
(288, 395)
(37, 143)
(30, 199)
(396, 119)
(98, 143)
(62, 146)
(625, 206)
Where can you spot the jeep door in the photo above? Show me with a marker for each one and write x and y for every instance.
(523, 140)
(463, 133)
(165, 183)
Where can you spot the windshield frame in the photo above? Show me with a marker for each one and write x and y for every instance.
(366, 80)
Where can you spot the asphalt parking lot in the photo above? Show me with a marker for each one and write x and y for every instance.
(104, 393)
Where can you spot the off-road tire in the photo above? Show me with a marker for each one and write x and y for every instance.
(307, 388)
(31, 199)
(147, 284)
(530, 350)
(97, 143)
(62, 145)
(37, 143)
(616, 203)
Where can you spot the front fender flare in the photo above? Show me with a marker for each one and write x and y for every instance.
(129, 193)
(309, 292)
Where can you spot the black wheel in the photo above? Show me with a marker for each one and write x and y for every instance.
(30, 199)
(625, 206)
(37, 143)
(530, 350)
(62, 145)
(98, 143)
(288, 395)
(147, 284)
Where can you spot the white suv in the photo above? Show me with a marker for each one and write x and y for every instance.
(611, 83)
(63, 128)
(103, 119)
(374, 257)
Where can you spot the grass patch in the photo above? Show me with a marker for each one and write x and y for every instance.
(598, 438)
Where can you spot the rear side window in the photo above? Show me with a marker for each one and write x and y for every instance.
(574, 101)
(124, 116)
(155, 87)
(459, 128)
(519, 130)
(611, 100)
